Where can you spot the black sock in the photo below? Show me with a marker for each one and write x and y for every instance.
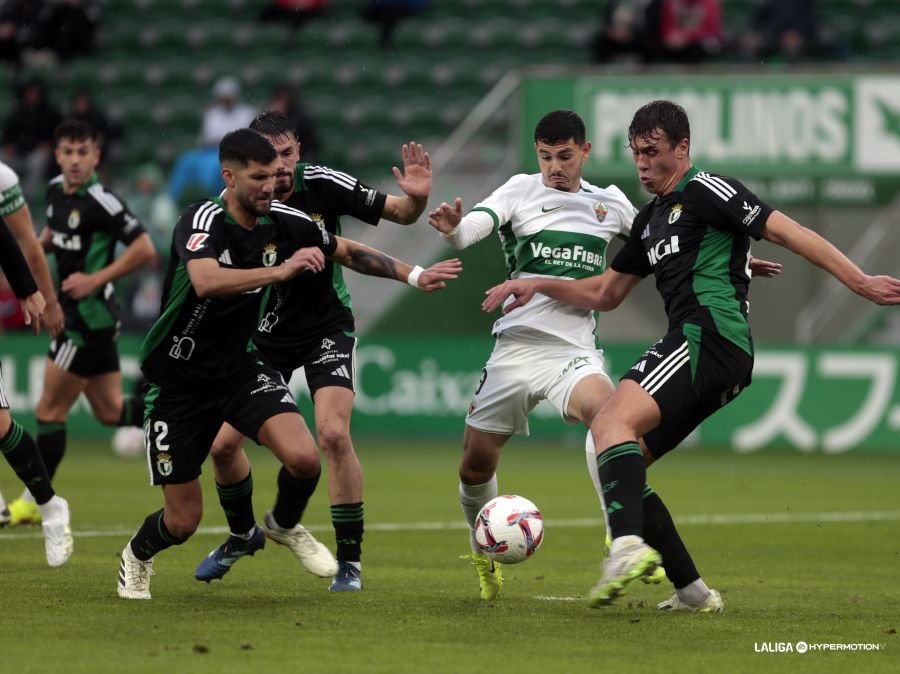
(660, 534)
(347, 519)
(237, 502)
(22, 454)
(153, 537)
(51, 441)
(622, 475)
(293, 495)
(132, 412)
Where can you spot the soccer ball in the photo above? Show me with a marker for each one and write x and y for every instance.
(128, 442)
(509, 529)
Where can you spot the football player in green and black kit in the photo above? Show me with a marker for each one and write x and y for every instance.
(694, 237)
(318, 335)
(85, 222)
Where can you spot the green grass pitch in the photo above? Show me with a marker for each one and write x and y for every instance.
(802, 548)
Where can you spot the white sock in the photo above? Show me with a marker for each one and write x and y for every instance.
(624, 542)
(590, 454)
(472, 498)
(694, 593)
(2, 502)
(54, 509)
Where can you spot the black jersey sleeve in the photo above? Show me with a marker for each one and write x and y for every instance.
(14, 265)
(632, 258)
(298, 230)
(347, 194)
(725, 202)
(198, 233)
(122, 223)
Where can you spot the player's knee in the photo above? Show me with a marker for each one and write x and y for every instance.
(334, 440)
(303, 465)
(224, 450)
(108, 416)
(474, 474)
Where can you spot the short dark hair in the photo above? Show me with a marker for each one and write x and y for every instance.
(667, 116)
(74, 129)
(245, 145)
(557, 127)
(274, 124)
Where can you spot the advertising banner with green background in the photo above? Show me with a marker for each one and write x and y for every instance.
(829, 400)
(830, 138)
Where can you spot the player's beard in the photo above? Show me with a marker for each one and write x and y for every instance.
(255, 206)
(283, 188)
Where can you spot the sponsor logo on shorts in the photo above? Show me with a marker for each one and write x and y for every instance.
(327, 344)
(341, 372)
(267, 384)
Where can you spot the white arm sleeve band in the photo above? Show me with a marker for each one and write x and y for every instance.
(471, 229)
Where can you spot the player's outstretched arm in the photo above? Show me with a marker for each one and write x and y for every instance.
(23, 229)
(458, 231)
(138, 253)
(365, 260)
(209, 279)
(415, 182)
(601, 293)
(798, 239)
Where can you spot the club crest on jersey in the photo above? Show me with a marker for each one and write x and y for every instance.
(600, 210)
(675, 213)
(196, 241)
(270, 254)
(74, 219)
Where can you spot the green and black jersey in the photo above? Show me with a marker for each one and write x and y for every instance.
(85, 227)
(696, 241)
(315, 305)
(197, 341)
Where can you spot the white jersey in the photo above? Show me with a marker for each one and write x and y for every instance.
(11, 197)
(546, 232)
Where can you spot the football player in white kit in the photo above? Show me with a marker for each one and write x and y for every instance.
(553, 223)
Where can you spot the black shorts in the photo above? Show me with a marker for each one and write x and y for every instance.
(330, 362)
(86, 354)
(180, 426)
(690, 373)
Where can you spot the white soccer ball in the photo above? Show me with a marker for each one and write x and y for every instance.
(128, 442)
(509, 529)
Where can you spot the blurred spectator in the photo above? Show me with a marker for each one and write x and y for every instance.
(284, 100)
(20, 28)
(26, 143)
(226, 114)
(196, 172)
(629, 27)
(69, 27)
(82, 106)
(149, 202)
(388, 13)
(691, 30)
(781, 30)
(11, 315)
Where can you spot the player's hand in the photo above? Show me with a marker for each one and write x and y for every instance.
(305, 259)
(79, 285)
(415, 179)
(521, 289)
(764, 268)
(435, 276)
(33, 306)
(445, 217)
(881, 289)
(53, 318)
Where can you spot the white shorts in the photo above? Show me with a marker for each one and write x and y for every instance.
(525, 368)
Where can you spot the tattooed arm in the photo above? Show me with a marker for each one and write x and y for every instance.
(371, 262)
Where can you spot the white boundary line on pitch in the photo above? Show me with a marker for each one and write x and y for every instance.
(700, 520)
